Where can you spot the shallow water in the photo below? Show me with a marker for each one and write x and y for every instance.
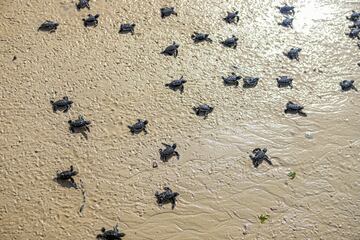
(115, 79)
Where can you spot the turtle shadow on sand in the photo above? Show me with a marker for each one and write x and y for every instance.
(65, 183)
(82, 131)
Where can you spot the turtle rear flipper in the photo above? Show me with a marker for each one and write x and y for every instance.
(268, 161)
(353, 87)
(301, 113)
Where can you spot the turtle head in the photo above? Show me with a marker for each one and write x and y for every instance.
(146, 122)
(103, 229)
(97, 15)
(174, 146)
(264, 150)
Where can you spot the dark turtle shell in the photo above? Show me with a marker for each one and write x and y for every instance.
(64, 175)
(83, 4)
(294, 106)
(167, 11)
(48, 26)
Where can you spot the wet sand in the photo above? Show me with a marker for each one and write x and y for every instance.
(114, 79)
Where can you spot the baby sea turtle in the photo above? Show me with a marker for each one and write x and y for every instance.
(62, 104)
(250, 82)
(168, 196)
(127, 28)
(356, 24)
(203, 110)
(287, 22)
(91, 20)
(48, 26)
(83, 4)
(67, 175)
(79, 123)
(200, 37)
(354, 16)
(168, 152)
(171, 50)
(167, 11)
(346, 85)
(230, 42)
(287, 9)
(233, 79)
(354, 33)
(113, 234)
(177, 84)
(293, 53)
(294, 108)
(284, 81)
(259, 155)
(232, 17)
(139, 126)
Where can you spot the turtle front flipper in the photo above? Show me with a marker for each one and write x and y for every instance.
(353, 87)
(173, 203)
(177, 155)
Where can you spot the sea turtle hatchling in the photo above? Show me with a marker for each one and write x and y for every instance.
(287, 9)
(356, 24)
(250, 82)
(171, 50)
(139, 126)
(91, 20)
(112, 234)
(294, 108)
(354, 16)
(67, 175)
(48, 26)
(177, 84)
(232, 79)
(79, 124)
(127, 28)
(287, 22)
(293, 53)
(168, 152)
(200, 37)
(230, 42)
(232, 17)
(346, 85)
(167, 11)
(284, 81)
(354, 33)
(62, 104)
(259, 155)
(168, 196)
(83, 4)
(203, 110)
